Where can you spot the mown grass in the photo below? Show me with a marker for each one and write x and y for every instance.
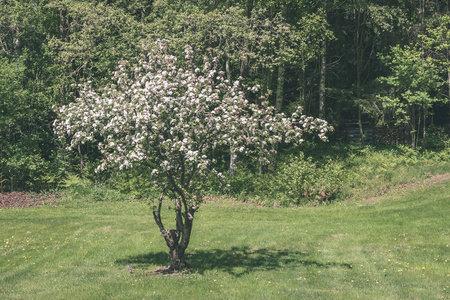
(390, 247)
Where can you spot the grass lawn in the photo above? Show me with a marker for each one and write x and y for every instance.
(390, 247)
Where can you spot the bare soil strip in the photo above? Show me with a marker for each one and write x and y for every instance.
(433, 179)
(26, 199)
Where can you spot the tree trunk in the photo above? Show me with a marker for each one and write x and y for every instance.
(279, 106)
(323, 66)
(233, 157)
(359, 68)
(322, 82)
(361, 130)
(177, 239)
(81, 158)
(448, 75)
(232, 154)
(413, 128)
(419, 121)
(175, 250)
(227, 66)
(302, 88)
(449, 93)
(280, 87)
(424, 136)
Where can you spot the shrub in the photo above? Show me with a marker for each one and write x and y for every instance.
(79, 189)
(302, 179)
(298, 180)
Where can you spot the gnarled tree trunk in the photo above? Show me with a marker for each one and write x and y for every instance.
(177, 239)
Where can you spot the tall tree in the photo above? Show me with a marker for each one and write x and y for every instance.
(414, 86)
(26, 146)
(436, 41)
(90, 39)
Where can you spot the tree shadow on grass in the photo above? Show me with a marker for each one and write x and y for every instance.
(234, 261)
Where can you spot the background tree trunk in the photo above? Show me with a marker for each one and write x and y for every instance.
(322, 81)
(279, 106)
(359, 67)
(233, 157)
(280, 87)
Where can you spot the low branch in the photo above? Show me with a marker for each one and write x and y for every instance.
(157, 217)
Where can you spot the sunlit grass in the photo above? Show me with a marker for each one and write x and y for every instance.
(393, 247)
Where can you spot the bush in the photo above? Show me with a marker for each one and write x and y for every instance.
(136, 183)
(302, 179)
(79, 189)
(27, 173)
(437, 138)
(297, 181)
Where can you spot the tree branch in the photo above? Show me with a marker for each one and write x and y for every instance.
(157, 217)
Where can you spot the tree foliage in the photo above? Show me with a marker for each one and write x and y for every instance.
(415, 83)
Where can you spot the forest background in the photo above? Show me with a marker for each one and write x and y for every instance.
(378, 71)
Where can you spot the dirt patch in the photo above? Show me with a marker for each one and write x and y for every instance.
(25, 199)
(166, 271)
(437, 178)
(433, 179)
(339, 235)
(225, 199)
(430, 180)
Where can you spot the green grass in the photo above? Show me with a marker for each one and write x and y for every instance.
(391, 247)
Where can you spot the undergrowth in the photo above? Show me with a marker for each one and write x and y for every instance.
(319, 175)
(311, 175)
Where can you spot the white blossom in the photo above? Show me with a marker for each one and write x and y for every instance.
(173, 118)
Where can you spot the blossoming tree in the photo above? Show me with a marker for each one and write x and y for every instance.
(171, 116)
